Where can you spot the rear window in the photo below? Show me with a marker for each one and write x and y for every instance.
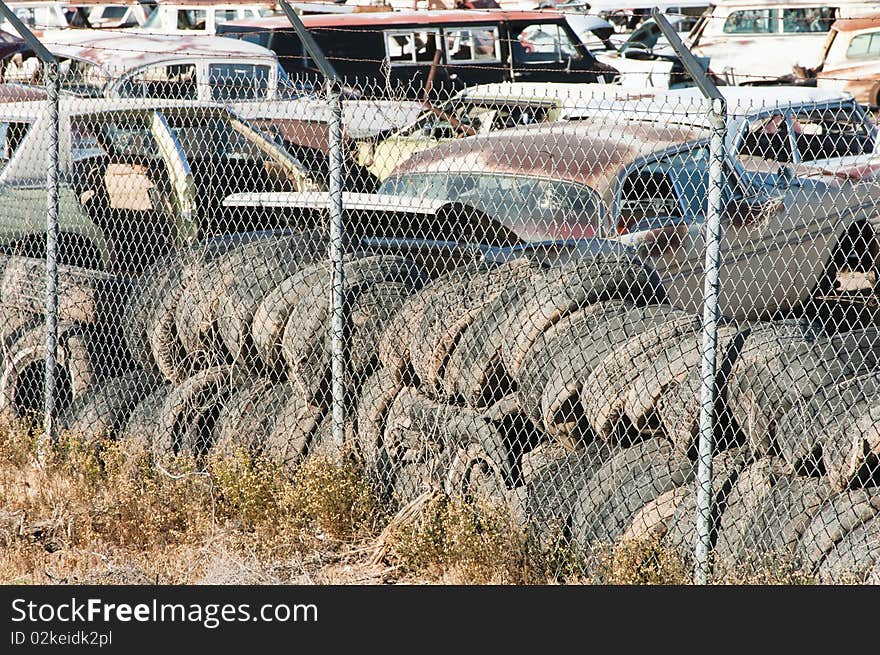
(533, 208)
(864, 45)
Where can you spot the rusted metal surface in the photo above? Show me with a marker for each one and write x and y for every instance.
(21, 92)
(858, 75)
(857, 24)
(588, 153)
(120, 51)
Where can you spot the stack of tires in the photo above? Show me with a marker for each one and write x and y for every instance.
(567, 393)
(90, 349)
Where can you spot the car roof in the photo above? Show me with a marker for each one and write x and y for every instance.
(772, 3)
(123, 51)
(569, 92)
(382, 19)
(350, 201)
(856, 24)
(687, 105)
(750, 98)
(76, 106)
(587, 152)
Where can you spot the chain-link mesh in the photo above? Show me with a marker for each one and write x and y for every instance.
(521, 304)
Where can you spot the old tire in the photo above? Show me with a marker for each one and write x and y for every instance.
(561, 399)
(186, 419)
(104, 410)
(559, 290)
(605, 390)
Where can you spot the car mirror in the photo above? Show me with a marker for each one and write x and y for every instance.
(786, 176)
(744, 212)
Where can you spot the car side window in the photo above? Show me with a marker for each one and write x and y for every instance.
(238, 81)
(177, 81)
(646, 194)
(191, 19)
(767, 138)
(472, 44)
(675, 186)
(864, 45)
(752, 21)
(408, 47)
(224, 15)
(543, 42)
(807, 19)
(12, 133)
(831, 132)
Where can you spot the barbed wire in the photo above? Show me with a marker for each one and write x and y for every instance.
(493, 65)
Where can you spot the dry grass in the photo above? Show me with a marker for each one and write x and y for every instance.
(102, 512)
(643, 561)
(97, 512)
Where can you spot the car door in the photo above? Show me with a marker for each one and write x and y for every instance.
(769, 250)
(181, 177)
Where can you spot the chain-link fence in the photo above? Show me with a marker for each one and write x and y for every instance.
(496, 295)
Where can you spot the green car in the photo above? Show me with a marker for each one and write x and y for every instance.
(138, 177)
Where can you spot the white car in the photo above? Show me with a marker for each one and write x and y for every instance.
(643, 59)
(800, 131)
(758, 41)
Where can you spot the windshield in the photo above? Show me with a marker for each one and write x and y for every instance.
(535, 209)
(41, 18)
(467, 118)
(808, 135)
(217, 144)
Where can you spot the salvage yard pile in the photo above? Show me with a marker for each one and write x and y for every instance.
(567, 394)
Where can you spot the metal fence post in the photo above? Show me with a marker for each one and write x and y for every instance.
(337, 247)
(52, 92)
(708, 364)
(337, 232)
(51, 80)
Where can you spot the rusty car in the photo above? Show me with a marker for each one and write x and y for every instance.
(759, 41)
(851, 60)
(482, 109)
(644, 185)
(773, 133)
(242, 75)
